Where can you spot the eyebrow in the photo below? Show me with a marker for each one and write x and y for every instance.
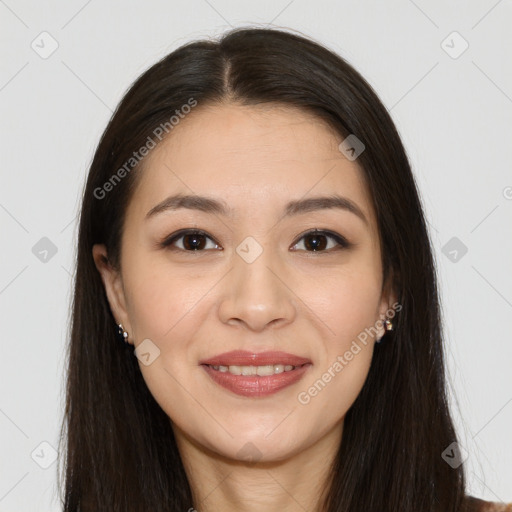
(216, 207)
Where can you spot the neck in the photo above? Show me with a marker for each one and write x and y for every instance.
(294, 484)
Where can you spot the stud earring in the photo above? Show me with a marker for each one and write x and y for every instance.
(388, 326)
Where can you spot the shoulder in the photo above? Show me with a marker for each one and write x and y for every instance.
(478, 505)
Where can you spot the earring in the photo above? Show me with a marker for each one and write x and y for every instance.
(388, 326)
(123, 333)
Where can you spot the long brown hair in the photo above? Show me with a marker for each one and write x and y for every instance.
(121, 453)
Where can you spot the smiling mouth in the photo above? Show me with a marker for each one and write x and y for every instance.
(261, 371)
(255, 375)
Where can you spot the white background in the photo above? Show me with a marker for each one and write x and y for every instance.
(455, 118)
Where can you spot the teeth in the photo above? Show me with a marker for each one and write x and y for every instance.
(254, 370)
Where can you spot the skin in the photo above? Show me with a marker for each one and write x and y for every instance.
(194, 305)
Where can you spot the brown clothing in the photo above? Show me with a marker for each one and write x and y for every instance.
(478, 505)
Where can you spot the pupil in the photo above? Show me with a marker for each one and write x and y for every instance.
(196, 241)
(318, 242)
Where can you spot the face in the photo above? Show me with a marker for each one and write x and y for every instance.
(250, 274)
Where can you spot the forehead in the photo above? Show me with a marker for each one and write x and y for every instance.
(251, 157)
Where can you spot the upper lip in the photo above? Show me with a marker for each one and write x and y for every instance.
(246, 358)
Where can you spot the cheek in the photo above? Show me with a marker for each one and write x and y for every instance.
(347, 305)
(346, 302)
(161, 299)
(344, 361)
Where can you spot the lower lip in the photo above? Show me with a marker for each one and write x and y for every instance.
(254, 385)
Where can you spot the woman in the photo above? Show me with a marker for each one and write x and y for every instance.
(256, 323)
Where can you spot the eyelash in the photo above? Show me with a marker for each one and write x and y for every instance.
(341, 241)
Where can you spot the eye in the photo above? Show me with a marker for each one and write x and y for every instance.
(315, 241)
(192, 240)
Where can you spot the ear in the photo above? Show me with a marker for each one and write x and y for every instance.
(113, 284)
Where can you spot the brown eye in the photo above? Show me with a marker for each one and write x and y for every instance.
(318, 241)
(191, 241)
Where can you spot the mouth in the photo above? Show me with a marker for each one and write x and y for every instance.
(256, 375)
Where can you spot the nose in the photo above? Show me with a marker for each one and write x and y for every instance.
(257, 294)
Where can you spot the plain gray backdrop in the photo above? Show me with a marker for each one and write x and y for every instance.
(443, 70)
